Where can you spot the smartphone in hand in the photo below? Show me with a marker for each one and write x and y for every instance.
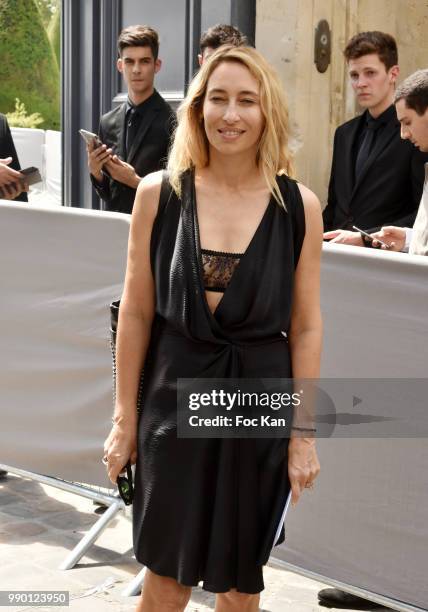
(363, 233)
(90, 138)
(31, 175)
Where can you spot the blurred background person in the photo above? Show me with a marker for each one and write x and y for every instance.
(12, 185)
(411, 102)
(218, 35)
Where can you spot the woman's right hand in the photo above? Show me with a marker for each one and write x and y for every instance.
(119, 448)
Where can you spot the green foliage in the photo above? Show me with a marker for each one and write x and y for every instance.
(47, 9)
(19, 117)
(28, 68)
(54, 34)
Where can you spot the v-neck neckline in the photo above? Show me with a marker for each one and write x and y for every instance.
(213, 313)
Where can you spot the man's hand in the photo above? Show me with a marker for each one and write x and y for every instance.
(97, 157)
(8, 175)
(395, 238)
(122, 172)
(12, 190)
(344, 237)
(12, 182)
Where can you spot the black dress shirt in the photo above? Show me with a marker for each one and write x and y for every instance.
(376, 125)
(133, 118)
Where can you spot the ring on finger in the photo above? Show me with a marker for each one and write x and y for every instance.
(105, 460)
(309, 485)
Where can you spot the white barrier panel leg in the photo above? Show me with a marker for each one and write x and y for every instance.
(92, 535)
(115, 504)
(134, 587)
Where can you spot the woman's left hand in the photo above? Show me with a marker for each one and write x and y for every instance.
(303, 465)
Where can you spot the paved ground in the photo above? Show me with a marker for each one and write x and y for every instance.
(40, 524)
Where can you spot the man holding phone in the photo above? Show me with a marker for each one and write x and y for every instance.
(134, 137)
(12, 182)
(376, 178)
(411, 103)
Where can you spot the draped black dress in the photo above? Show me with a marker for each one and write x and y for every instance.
(208, 509)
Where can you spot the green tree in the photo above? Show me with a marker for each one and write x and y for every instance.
(47, 9)
(28, 67)
(54, 34)
(20, 118)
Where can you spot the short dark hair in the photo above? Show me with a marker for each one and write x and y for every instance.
(138, 36)
(222, 34)
(414, 91)
(366, 43)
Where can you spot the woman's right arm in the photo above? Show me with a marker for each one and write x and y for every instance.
(136, 313)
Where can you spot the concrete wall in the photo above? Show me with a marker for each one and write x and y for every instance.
(320, 102)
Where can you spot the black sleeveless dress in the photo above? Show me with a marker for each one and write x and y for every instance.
(208, 509)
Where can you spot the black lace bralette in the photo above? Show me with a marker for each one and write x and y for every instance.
(218, 268)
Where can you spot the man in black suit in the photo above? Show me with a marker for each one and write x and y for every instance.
(135, 136)
(376, 178)
(12, 186)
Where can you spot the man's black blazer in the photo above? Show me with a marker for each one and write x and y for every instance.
(389, 188)
(7, 149)
(148, 152)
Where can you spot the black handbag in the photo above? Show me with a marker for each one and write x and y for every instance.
(165, 195)
(114, 318)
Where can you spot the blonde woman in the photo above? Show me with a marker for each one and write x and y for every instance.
(221, 260)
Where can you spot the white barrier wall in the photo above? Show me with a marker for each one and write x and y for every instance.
(59, 270)
(365, 523)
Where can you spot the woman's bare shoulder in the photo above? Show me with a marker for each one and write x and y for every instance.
(313, 214)
(310, 200)
(147, 197)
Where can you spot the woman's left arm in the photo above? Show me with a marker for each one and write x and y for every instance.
(305, 339)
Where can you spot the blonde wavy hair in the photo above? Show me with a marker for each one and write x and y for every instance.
(190, 148)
